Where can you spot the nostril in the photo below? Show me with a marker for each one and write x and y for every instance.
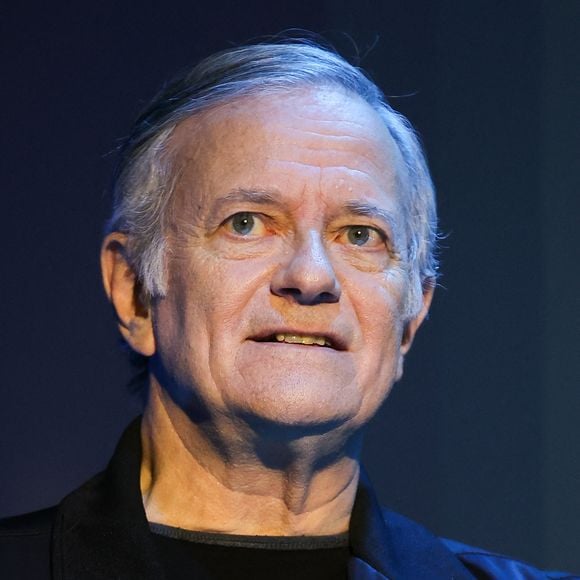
(309, 298)
(328, 297)
(290, 292)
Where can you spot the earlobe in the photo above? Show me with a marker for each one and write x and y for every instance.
(124, 292)
(414, 323)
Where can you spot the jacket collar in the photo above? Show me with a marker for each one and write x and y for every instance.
(387, 545)
(101, 531)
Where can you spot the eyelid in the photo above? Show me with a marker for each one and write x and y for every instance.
(383, 234)
(259, 218)
(381, 241)
(256, 214)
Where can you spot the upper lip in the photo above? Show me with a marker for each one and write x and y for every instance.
(336, 341)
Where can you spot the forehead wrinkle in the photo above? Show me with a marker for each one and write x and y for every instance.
(378, 166)
(356, 174)
(331, 122)
(253, 195)
(373, 146)
(387, 161)
(363, 135)
(192, 129)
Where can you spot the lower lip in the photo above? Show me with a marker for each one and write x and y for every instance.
(314, 347)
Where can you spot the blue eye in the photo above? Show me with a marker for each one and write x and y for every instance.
(243, 223)
(359, 235)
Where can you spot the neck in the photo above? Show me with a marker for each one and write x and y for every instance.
(222, 476)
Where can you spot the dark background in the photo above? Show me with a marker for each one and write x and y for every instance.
(481, 440)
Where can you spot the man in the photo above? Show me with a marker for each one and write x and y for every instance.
(271, 257)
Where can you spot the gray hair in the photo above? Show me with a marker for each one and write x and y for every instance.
(144, 179)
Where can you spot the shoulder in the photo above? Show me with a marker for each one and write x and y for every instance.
(25, 545)
(488, 565)
(482, 564)
(30, 524)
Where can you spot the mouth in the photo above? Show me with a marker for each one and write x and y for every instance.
(316, 340)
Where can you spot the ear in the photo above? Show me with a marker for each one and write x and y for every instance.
(412, 325)
(124, 292)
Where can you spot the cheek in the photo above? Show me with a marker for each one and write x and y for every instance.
(215, 285)
(388, 322)
(208, 299)
(378, 304)
(182, 318)
(231, 287)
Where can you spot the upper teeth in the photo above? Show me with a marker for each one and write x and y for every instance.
(300, 339)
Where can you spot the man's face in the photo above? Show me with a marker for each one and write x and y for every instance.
(286, 275)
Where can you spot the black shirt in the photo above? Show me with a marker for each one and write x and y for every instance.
(198, 555)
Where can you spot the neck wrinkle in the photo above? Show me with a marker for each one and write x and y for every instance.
(188, 482)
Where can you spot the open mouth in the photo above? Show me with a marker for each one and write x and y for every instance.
(305, 339)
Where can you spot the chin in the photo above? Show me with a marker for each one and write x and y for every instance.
(299, 412)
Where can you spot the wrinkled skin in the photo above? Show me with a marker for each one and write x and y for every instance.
(306, 157)
(287, 219)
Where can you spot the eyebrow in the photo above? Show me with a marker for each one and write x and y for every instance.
(370, 210)
(257, 196)
(242, 195)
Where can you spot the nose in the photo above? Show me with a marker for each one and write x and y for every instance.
(307, 276)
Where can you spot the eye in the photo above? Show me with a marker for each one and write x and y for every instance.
(243, 223)
(246, 224)
(363, 236)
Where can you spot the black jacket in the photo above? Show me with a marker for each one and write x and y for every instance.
(100, 532)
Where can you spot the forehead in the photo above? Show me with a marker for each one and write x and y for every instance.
(277, 140)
